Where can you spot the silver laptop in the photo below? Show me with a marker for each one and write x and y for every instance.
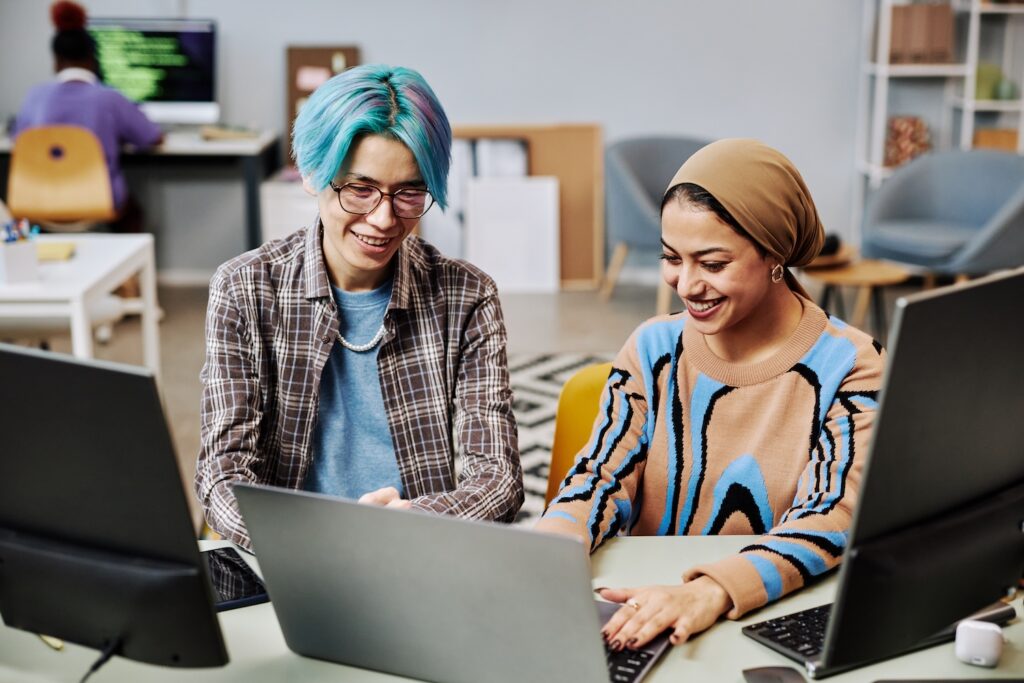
(428, 596)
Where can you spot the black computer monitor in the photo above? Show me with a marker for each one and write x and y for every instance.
(96, 542)
(168, 66)
(938, 532)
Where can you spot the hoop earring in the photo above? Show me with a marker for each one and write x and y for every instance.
(778, 272)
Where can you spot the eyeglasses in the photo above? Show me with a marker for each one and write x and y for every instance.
(364, 199)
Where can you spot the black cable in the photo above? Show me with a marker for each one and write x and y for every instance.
(108, 652)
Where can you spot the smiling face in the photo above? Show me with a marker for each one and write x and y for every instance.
(720, 275)
(359, 249)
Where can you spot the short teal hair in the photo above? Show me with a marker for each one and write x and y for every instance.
(376, 99)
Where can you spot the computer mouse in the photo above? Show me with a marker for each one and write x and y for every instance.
(773, 674)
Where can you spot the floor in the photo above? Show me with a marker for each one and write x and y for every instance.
(561, 322)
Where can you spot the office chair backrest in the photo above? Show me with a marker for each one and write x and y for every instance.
(966, 187)
(654, 160)
(999, 244)
(59, 176)
(637, 173)
(574, 421)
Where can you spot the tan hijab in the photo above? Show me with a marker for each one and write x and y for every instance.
(764, 192)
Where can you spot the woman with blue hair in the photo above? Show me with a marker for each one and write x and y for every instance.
(352, 358)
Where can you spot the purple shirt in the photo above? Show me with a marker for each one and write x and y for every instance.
(114, 119)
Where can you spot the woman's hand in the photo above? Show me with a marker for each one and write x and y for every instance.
(687, 609)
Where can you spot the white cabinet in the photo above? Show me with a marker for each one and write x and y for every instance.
(284, 206)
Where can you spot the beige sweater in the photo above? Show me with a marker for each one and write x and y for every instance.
(686, 443)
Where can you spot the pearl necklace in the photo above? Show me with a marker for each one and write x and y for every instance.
(359, 348)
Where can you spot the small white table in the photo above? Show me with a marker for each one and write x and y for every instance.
(66, 289)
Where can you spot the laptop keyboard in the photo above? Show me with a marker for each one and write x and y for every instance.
(627, 665)
(799, 636)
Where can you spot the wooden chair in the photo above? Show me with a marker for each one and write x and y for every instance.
(574, 420)
(59, 179)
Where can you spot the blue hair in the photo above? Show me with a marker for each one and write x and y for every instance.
(375, 99)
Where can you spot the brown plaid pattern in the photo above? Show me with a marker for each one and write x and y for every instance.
(270, 326)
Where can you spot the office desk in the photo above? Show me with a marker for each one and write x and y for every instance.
(256, 158)
(65, 289)
(258, 652)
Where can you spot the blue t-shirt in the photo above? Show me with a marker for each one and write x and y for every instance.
(352, 449)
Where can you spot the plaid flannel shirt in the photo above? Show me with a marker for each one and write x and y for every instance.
(270, 326)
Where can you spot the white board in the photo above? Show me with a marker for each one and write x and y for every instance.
(512, 231)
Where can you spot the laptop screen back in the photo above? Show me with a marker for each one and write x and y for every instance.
(426, 596)
(936, 532)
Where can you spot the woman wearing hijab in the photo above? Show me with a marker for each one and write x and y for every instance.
(749, 413)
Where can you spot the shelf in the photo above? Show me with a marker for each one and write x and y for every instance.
(875, 170)
(990, 8)
(916, 70)
(988, 105)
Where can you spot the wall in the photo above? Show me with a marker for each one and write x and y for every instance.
(783, 71)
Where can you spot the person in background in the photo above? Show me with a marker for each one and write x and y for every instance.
(352, 358)
(748, 413)
(76, 97)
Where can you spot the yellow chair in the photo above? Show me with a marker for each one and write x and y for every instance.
(574, 420)
(59, 179)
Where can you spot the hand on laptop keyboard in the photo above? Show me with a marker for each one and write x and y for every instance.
(685, 609)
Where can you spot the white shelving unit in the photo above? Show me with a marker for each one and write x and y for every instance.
(959, 80)
(965, 101)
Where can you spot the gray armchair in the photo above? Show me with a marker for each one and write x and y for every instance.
(637, 173)
(957, 212)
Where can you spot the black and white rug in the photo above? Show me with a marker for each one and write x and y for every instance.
(537, 380)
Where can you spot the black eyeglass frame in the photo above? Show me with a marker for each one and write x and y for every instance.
(380, 197)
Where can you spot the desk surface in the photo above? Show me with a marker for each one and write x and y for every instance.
(188, 142)
(258, 652)
(95, 257)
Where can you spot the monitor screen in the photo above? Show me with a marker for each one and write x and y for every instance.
(168, 66)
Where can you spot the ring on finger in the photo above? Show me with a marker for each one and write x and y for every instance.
(634, 604)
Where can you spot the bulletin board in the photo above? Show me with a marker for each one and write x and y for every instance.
(308, 68)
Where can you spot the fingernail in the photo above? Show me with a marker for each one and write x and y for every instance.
(674, 639)
(630, 643)
(616, 645)
(599, 589)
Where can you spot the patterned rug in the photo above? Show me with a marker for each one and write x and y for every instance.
(537, 380)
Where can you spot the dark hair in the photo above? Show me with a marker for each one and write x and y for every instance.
(71, 41)
(698, 197)
(76, 45)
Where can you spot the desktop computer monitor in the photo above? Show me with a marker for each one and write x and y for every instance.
(97, 546)
(938, 532)
(938, 528)
(168, 66)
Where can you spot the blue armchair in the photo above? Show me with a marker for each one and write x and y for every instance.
(637, 172)
(956, 212)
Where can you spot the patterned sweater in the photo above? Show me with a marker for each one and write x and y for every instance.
(686, 443)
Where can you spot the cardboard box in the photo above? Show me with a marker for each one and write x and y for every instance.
(996, 138)
(921, 33)
(940, 33)
(18, 262)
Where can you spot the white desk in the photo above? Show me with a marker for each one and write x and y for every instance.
(67, 288)
(258, 652)
(257, 157)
